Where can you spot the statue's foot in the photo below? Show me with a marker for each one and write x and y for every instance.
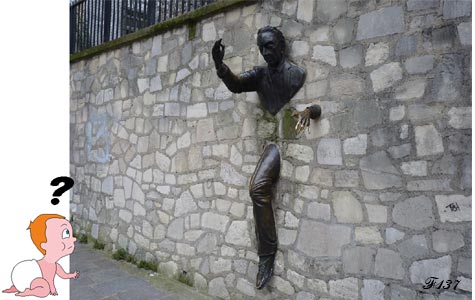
(264, 274)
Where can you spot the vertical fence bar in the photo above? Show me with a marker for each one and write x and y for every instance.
(81, 27)
(88, 24)
(152, 5)
(107, 20)
(72, 30)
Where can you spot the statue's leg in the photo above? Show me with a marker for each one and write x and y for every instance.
(261, 190)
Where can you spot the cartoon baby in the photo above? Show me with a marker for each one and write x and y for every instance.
(52, 235)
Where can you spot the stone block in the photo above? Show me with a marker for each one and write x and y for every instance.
(422, 114)
(414, 213)
(378, 172)
(214, 221)
(230, 176)
(465, 284)
(422, 4)
(329, 152)
(324, 54)
(372, 290)
(346, 178)
(386, 76)
(415, 247)
(447, 84)
(465, 265)
(377, 213)
(421, 270)
(329, 10)
(376, 54)
(356, 145)
(358, 260)
(246, 287)
(397, 113)
(440, 38)
(238, 234)
(419, 64)
(368, 235)
(300, 152)
(207, 244)
(217, 288)
(209, 32)
(305, 10)
(282, 285)
(289, 7)
(305, 296)
(346, 87)
(318, 239)
(205, 130)
(381, 22)
(401, 293)
(412, 89)
(185, 204)
(388, 264)
(414, 168)
(447, 241)
(428, 140)
(465, 33)
(172, 109)
(321, 34)
(347, 208)
(176, 228)
(318, 211)
(452, 296)
(393, 235)
(299, 48)
(343, 31)
(454, 208)
(460, 117)
(439, 185)
(456, 8)
(351, 57)
(406, 46)
(346, 288)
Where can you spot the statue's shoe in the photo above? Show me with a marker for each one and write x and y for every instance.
(266, 267)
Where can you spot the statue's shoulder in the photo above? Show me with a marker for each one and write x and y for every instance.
(296, 74)
(295, 70)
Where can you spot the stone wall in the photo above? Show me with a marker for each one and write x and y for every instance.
(372, 201)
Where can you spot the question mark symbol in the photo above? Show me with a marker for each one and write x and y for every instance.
(68, 183)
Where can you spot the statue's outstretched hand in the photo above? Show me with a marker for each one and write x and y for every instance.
(218, 53)
(304, 120)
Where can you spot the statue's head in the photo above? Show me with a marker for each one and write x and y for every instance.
(271, 43)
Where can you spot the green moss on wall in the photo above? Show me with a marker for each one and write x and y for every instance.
(288, 125)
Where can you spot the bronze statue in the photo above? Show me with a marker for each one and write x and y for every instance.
(275, 84)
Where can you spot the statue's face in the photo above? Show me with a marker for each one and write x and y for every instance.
(270, 48)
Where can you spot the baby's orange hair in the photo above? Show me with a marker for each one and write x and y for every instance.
(38, 229)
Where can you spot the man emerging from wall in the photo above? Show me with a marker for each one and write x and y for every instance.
(275, 84)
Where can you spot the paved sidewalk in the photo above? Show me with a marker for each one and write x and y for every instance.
(102, 278)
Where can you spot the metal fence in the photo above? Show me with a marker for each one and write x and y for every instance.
(94, 22)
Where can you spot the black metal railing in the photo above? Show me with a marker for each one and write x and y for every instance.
(94, 22)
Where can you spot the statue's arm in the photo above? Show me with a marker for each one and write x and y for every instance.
(244, 82)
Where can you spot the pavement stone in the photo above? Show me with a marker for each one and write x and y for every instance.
(102, 278)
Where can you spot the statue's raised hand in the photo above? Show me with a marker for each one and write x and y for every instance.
(218, 53)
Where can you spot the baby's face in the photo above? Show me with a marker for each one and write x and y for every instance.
(59, 238)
